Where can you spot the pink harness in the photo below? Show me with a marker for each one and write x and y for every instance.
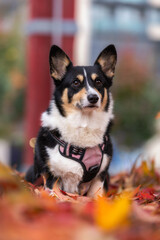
(89, 158)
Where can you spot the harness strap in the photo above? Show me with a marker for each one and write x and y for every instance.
(59, 141)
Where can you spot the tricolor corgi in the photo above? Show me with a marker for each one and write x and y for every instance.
(73, 144)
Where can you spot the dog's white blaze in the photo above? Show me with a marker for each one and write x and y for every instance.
(70, 171)
(83, 130)
(85, 75)
(90, 90)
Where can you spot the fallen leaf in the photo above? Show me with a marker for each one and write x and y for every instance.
(112, 214)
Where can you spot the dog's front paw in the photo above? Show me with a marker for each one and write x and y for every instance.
(70, 183)
(96, 188)
(95, 194)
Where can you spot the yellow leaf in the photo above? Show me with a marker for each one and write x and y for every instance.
(110, 215)
(146, 170)
(32, 142)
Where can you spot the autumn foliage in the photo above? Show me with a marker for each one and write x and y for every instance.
(129, 211)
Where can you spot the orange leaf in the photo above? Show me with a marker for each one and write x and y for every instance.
(110, 215)
(157, 116)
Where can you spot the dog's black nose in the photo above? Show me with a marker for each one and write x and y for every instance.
(92, 98)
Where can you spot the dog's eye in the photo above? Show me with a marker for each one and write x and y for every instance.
(76, 83)
(98, 82)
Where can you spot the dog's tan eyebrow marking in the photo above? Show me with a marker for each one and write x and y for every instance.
(80, 77)
(94, 76)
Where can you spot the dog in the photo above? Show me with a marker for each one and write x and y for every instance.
(73, 144)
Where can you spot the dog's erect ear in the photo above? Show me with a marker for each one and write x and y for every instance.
(107, 60)
(59, 62)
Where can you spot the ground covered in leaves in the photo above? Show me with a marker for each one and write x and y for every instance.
(129, 211)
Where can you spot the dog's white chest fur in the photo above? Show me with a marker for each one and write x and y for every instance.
(68, 170)
(77, 128)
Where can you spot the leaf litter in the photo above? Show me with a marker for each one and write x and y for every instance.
(130, 210)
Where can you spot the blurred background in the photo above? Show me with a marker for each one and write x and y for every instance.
(82, 28)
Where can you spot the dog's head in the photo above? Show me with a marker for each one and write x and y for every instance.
(81, 88)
